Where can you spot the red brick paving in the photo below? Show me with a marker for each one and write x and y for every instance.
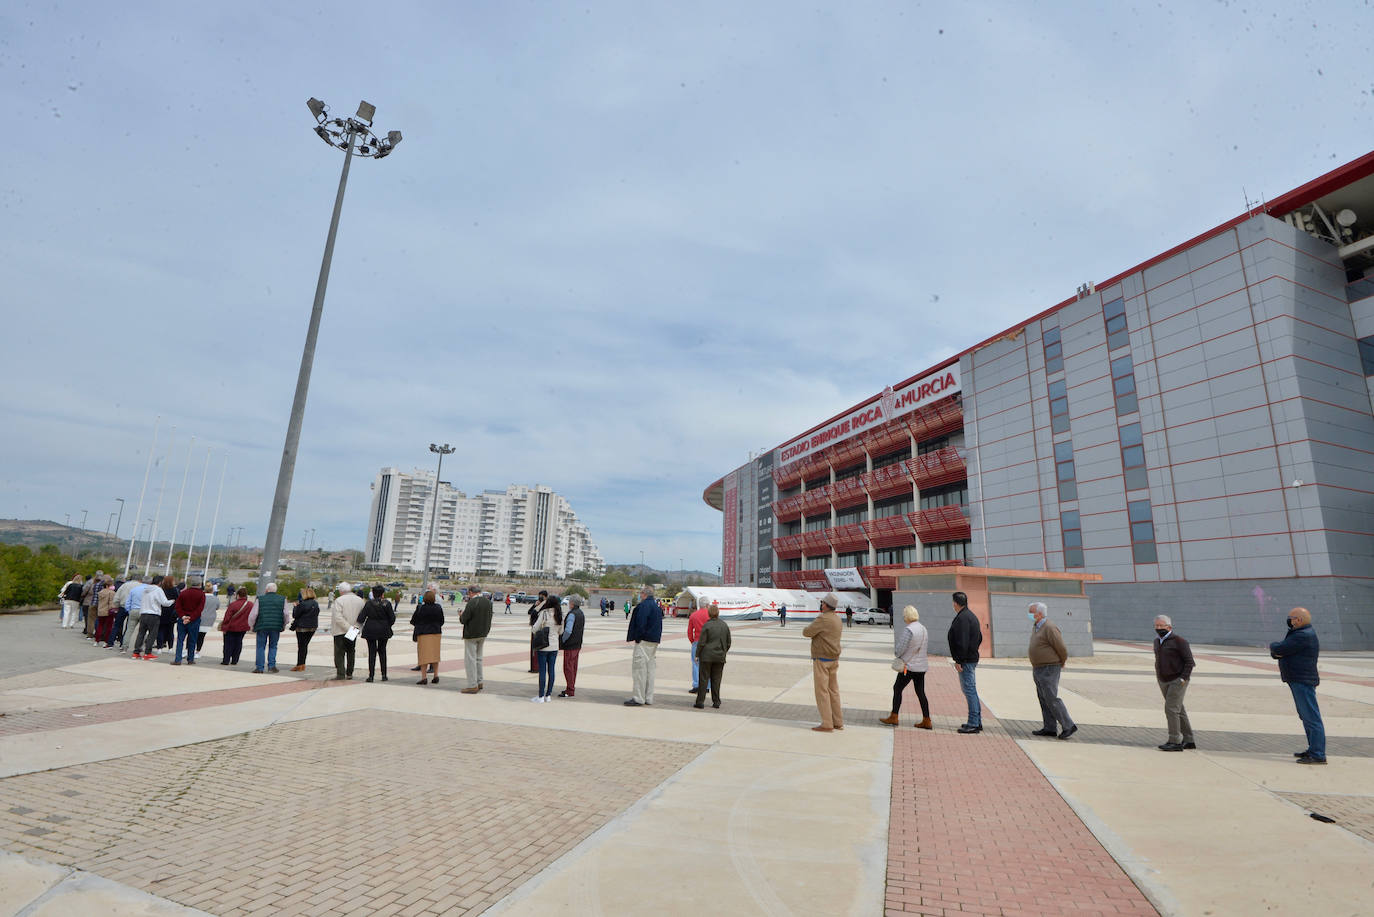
(975, 828)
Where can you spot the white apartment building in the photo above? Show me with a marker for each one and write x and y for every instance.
(529, 531)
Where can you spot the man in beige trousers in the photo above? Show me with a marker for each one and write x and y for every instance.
(825, 663)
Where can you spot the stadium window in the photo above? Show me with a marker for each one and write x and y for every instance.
(1123, 385)
(1114, 313)
(1059, 406)
(1054, 350)
(1133, 457)
(949, 495)
(1142, 532)
(1072, 530)
(947, 550)
(1064, 471)
(1367, 354)
(817, 523)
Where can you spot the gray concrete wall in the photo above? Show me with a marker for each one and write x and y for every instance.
(1011, 627)
(936, 613)
(1238, 612)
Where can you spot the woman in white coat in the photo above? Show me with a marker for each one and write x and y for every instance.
(910, 649)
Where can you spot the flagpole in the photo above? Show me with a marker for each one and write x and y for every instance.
(133, 537)
(215, 521)
(195, 526)
(157, 514)
(172, 542)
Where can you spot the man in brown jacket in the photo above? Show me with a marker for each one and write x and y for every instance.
(1047, 657)
(825, 663)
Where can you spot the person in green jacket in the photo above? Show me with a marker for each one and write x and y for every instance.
(627, 609)
(269, 625)
(712, 645)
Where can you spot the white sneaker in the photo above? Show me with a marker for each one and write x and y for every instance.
(537, 700)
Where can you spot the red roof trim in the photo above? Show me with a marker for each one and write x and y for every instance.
(1304, 194)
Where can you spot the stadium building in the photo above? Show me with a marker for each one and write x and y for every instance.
(525, 531)
(1198, 430)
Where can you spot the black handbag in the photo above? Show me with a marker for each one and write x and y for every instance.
(541, 639)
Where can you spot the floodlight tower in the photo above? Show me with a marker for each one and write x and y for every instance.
(355, 137)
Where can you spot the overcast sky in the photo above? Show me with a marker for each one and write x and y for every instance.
(622, 244)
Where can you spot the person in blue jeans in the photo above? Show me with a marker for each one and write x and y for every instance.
(964, 637)
(270, 623)
(1297, 656)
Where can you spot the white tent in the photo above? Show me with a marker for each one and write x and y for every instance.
(746, 603)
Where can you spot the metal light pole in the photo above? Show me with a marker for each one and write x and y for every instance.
(441, 451)
(340, 133)
(119, 521)
(109, 522)
(83, 519)
(128, 561)
(210, 549)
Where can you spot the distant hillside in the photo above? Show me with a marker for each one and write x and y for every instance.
(640, 573)
(35, 533)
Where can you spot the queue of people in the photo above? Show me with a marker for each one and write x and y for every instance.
(107, 609)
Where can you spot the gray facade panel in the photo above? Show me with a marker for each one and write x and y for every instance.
(1011, 626)
(1244, 612)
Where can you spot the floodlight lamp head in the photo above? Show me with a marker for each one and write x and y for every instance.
(367, 111)
(317, 108)
(393, 137)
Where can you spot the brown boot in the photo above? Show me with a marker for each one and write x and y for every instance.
(889, 720)
(925, 724)
(298, 668)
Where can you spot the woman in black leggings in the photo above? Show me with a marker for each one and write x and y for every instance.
(909, 645)
(376, 620)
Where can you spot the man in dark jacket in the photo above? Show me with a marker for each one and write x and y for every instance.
(1297, 656)
(476, 621)
(712, 646)
(964, 637)
(1173, 668)
(570, 642)
(646, 631)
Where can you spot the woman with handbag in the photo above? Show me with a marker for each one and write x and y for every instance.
(911, 665)
(305, 620)
(237, 620)
(376, 620)
(545, 629)
(428, 621)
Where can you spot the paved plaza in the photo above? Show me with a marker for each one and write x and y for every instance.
(139, 788)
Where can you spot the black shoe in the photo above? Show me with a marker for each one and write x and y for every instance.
(1302, 754)
(699, 706)
(1311, 760)
(970, 730)
(1068, 733)
(717, 704)
(692, 690)
(1189, 746)
(633, 703)
(562, 693)
(416, 668)
(383, 678)
(224, 662)
(1171, 746)
(1044, 732)
(369, 678)
(273, 669)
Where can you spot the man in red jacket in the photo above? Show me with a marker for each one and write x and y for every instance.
(188, 607)
(695, 622)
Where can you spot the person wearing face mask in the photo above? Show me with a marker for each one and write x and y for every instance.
(1297, 656)
(1047, 657)
(1173, 668)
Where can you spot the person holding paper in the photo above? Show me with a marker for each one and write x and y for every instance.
(343, 626)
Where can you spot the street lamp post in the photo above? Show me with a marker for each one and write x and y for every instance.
(441, 451)
(83, 519)
(342, 133)
(119, 521)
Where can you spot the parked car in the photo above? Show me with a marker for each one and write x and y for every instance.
(499, 597)
(395, 585)
(872, 616)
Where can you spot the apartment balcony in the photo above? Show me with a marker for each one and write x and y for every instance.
(788, 508)
(815, 500)
(849, 492)
(788, 475)
(845, 454)
(887, 481)
(889, 532)
(815, 544)
(890, 437)
(788, 545)
(935, 469)
(943, 523)
(847, 538)
(939, 419)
